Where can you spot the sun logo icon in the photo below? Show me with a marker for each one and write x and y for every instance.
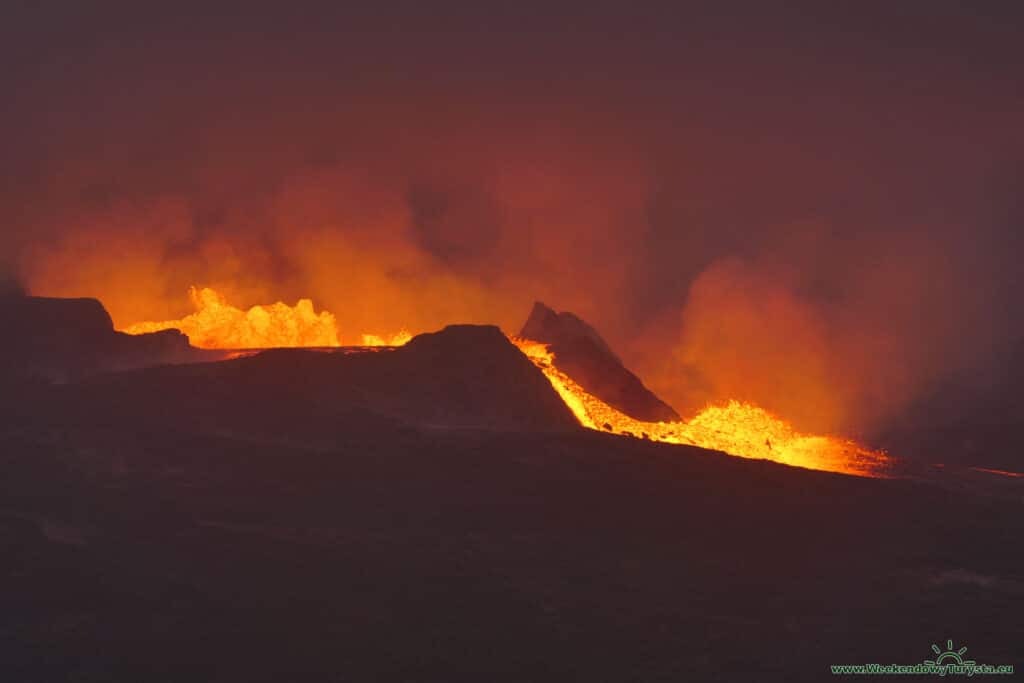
(950, 653)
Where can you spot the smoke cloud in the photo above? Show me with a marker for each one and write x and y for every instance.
(786, 221)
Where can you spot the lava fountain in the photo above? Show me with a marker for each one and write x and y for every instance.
(216, 324)
(399, 338)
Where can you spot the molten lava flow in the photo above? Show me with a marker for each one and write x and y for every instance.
(400, 338)
(1002, 473)
(219, 325)
(736, 428)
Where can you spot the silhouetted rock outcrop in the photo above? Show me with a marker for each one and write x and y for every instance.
(472, 373)
(464, 376)
(581, 353)
(44, 318)
(66, 339)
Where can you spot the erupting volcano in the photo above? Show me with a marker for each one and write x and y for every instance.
(734, 427)
(270, 410)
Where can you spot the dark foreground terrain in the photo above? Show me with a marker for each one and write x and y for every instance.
(233, 522)
(479, 556)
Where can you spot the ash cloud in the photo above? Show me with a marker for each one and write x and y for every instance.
(799, 219)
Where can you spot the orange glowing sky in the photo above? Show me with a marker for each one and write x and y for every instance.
(759, 205)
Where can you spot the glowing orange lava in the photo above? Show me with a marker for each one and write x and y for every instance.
(734, 427)
(399, 338)
(218, 325)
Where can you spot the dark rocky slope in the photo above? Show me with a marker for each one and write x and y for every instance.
(581, 353)
(161, 552)
(67, 339)
(464, 376)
